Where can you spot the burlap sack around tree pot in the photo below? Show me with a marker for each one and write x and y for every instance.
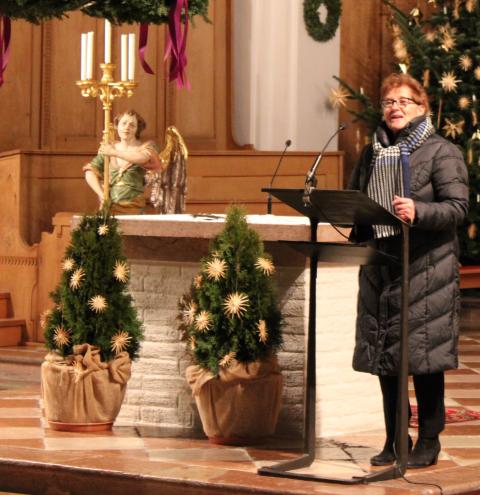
(241, 404)
(81, 389)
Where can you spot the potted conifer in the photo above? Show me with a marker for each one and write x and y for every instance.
(92, 332)
(232, 324)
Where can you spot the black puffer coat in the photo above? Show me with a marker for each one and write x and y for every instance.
(439, 187)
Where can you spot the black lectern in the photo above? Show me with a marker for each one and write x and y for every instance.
(345, 208)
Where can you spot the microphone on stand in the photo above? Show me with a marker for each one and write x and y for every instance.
(311, 179)
(288, 142)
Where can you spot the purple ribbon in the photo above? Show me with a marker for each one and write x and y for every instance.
(5, 34)
(142, 46)
(177, 44)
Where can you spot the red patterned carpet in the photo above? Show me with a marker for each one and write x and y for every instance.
(452, 415)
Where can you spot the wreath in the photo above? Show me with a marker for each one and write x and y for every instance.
(317, 30)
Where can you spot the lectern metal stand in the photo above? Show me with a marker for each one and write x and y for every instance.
(345, 208)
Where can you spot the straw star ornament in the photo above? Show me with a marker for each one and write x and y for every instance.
(265, 265)
(68, 264)
(464, 102)
(103, 229)
(216, 269)
(44, 317)
(452, 129)
(61, 336)
(449, 82)
(97, 304)
(235, 304)
(338, 97)
(227, 360)
(476, 73)
(76, 278)
(203, 321)
(121, 271)
(465, 62)
(262, 331)
(120, 341)
(197, 281)
(189, 313)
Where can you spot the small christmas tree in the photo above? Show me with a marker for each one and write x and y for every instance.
(91, 302)
(231, 311)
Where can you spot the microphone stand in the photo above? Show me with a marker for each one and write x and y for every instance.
(311, 179)
(288, 142)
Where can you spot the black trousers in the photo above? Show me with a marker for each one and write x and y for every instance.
(430, 393)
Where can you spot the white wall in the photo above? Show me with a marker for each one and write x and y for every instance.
(282, 77)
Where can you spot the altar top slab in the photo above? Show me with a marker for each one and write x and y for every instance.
(207, 226)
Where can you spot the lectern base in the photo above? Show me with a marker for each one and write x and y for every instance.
(284, 470)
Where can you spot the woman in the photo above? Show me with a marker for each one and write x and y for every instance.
(422, 178)
(129, 162)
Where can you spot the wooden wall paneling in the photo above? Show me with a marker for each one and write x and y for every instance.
(69, 121)
(20, 93)
(18, 260)
(360, 42)
(202, 114)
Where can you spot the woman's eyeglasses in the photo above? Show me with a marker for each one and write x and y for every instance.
(402, 102)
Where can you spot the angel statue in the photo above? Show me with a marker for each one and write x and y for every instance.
(130, 159)
(134, 164)
(169, 187)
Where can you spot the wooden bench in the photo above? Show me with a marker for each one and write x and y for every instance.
(470, 277)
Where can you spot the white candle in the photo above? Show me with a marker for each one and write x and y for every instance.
(83, 56)
(131, 56)
(474, 98)
(361, 90)
(108, 42)
(90, 55)
(123, 57)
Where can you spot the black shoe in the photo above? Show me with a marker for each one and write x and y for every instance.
(387, 455)
(424, 454)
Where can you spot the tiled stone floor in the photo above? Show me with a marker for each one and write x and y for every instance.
(194, 466)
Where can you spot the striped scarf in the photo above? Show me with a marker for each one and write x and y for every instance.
(391, 171)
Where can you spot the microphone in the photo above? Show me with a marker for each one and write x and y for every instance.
(311, 179)
(288, 142)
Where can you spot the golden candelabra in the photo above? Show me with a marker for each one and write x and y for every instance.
(107, 90)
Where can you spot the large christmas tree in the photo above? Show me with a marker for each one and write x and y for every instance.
(438, 43)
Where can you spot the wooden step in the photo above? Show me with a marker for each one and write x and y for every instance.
(11, 331)
(5, 305)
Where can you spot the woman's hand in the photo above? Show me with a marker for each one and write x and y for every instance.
(107, 149)
(404, 208)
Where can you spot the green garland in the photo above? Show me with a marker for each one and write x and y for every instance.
(317, 30)
(117, 11)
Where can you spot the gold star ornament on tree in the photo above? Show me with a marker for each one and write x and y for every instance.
(227, 360)
(60, 336)
(265, 265)
(68, 264)
(189, 313)
(76, 278)
(203, 321)
(236, 304)
(476, 73)
(120, 272)
(338, 97)
(464, 102)
(44, 317)
(452, 129)
(216, 269)
(449, 82)
(103, 229)
(120, 341)
(465, 62)
(97, 304)
(262, 331)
